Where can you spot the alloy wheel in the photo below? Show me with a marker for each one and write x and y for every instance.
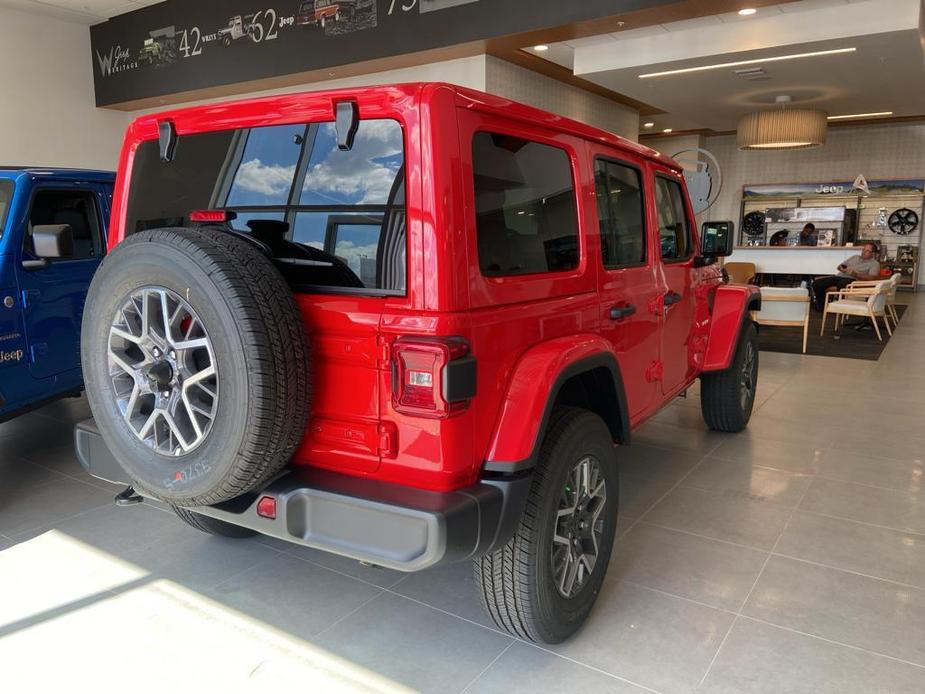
(579, 526)
(163, 371)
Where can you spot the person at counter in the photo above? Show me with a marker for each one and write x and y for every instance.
(857, 267)
(808, 236)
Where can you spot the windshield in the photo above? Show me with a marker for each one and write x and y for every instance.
(332, 218)
(6, 196)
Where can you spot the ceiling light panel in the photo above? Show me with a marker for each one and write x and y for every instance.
(755, 61)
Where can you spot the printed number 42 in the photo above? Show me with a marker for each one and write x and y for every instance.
(185, 47)
(405, 8)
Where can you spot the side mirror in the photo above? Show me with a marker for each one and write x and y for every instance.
(53, 241)
(716, 239)
(347, 122)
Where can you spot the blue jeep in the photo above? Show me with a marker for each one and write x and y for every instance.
(53, 226)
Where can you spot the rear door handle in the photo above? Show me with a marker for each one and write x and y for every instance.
(621, 312)
(672, 298)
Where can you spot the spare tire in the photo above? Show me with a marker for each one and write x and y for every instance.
(196, 364)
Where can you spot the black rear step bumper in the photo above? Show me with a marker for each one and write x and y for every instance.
(386, 524)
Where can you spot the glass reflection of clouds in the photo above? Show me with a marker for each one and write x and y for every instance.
(362, 176)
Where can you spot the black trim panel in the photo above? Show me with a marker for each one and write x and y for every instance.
(390, 525)
(579, 367)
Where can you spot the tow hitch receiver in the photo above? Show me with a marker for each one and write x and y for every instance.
(127, 497)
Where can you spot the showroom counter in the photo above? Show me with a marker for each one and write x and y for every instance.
(798, 260)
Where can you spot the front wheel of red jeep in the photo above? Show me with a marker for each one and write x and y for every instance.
(543, 583)
(727, 397)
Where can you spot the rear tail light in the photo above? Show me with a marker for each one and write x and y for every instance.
(213, 216)
(432, 377)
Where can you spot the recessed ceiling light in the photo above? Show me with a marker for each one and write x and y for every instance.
(755, 61)
(747, 11)
(667, 130)
(540, 48)
(650, 124)
(848, 116)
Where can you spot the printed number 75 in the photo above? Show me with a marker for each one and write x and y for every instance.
(405, 8)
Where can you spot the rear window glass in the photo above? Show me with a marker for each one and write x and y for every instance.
(526, 217)
(333, 218)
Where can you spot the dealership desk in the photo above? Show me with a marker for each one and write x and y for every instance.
(796, 260)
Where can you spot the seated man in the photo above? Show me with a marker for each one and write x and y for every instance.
(857, 267)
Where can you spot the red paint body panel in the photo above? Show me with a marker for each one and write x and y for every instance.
(521, 330)
(729, 307)
(533, 379)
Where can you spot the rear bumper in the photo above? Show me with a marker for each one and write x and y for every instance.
(386, 524)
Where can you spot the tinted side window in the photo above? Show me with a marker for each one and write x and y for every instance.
(526, 216)
(673, 231)
(78, 209)
(620, 213)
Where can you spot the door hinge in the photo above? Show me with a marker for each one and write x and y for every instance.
(30, 297)
(37, 350)
(654, 372)
(385, 353)
(388, 440)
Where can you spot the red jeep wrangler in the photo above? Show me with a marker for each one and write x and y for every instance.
(410, 325)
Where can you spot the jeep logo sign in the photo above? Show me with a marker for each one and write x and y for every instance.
(11, 356)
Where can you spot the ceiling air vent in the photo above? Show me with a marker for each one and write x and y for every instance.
(752, 74)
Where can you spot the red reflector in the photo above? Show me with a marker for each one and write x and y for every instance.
(208, 216)
(266, 507)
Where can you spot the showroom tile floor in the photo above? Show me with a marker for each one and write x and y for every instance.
(790, 558)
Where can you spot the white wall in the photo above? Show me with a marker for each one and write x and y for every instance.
(48, 116)
(517, 83)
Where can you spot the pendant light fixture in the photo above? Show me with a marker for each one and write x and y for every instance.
(782, 128)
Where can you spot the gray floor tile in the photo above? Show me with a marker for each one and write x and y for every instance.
(661, 435)
(413, 644)
(451, 588)
(850, 466)
(648, 461)
(764, 426)
(761, 659)
(742, 478)
(708, 571)
(61, 459)
(31, 432)
(113, 529)
(293, 595)
(686, 414)
(865, 612)
(891, 554)
(782, 456)
(527, 669)
(376, 575)
(721, 515)
(199, 561)
(899, 510)
(18, 475)
(48, 503)
(907, 446)
(639, 494)
(649, 638)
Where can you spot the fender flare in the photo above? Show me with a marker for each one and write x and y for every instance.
(731, 306)
(535, 384)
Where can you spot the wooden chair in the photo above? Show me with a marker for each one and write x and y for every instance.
(866, 301)
(890, 297)
(784, 306)
(740, 273)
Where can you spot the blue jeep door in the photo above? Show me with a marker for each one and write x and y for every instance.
(53, 296)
